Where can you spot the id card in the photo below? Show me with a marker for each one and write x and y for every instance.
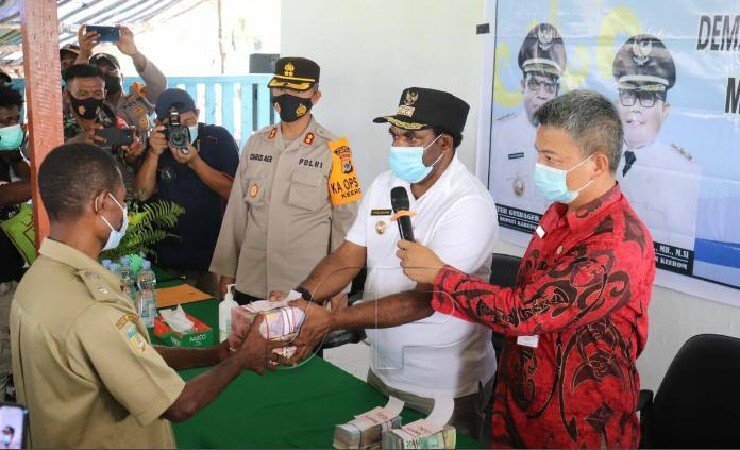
(528, 341)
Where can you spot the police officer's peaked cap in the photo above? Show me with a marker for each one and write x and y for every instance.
(543, 50)
(644, 61)
(421, 108)
(295, 73)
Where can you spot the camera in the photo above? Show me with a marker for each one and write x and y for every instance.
(177, 134)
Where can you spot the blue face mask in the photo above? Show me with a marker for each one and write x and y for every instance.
(115, 236)
(553, 184)
(193, 133)
(11, 137)
(407, 163)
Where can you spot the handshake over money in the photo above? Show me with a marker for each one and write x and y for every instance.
(282, 321)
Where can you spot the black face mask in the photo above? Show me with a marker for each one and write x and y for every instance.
(292, 108)
(112, 85)
(91, 107)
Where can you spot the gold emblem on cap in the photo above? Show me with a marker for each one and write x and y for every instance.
(301, 110)
(518, 186)
(288, 70)
(544, 38)
(254, 190)
(641, 51)
(380, 226)
(411, 98)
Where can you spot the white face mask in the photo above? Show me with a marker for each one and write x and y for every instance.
(115, 236)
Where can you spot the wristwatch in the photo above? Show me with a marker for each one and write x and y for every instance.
(305, 293)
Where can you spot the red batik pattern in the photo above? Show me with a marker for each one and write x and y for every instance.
(584, 290)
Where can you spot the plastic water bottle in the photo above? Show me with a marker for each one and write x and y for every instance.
(127, 278)
(146, 300)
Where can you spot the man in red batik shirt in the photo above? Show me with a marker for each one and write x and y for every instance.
(576, 321)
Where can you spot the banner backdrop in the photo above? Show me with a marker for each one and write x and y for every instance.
(673, 70)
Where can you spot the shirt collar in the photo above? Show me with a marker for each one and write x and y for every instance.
(584, 215)
(76, 259)
(280, 141)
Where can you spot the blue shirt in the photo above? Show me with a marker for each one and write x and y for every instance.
(198, 228)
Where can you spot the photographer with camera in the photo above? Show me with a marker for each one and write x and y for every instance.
(191, 164)
(91, 120)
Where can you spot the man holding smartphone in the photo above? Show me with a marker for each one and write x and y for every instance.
(136, 107)
(199, 179)
(88, 113)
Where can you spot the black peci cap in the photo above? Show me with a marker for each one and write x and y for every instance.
(421, 108)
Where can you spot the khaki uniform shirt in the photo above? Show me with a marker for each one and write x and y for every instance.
(82, 360)
(289, 207)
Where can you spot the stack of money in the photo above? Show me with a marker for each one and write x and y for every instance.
(282, 321)
(420, 435)
(366, 430)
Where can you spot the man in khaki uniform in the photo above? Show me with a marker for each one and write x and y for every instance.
(82, 358)
(294, 195)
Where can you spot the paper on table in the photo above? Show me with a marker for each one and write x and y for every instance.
(435, 422)
(184, 293)
(391, 409)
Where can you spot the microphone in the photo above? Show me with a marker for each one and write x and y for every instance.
(400, 202)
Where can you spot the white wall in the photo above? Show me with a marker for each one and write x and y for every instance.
(371, 49)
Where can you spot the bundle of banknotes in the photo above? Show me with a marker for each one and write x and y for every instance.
(282, 321)
(366, 430)
(420, 434)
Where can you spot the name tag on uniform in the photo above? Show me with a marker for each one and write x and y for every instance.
(517, 155)
(540, 232)
(528, 341)
(380, 212)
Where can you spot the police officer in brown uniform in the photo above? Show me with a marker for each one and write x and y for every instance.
(82, 359)
(294, 195)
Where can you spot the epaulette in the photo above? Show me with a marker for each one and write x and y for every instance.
(98, 288)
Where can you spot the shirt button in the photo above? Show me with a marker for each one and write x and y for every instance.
(559, 250)
(103, 290)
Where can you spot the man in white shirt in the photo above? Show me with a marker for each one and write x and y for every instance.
(418, 355)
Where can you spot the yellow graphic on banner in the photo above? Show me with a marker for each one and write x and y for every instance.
(344, 187)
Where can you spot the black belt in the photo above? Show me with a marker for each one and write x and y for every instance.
(244, 299)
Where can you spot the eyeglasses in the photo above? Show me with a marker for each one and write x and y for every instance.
(628, 97)
(548, 87)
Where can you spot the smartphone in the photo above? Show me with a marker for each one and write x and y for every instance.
(13, 425)
(115, 137)
(105, 34)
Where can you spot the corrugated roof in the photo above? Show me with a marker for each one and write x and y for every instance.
(71, 14)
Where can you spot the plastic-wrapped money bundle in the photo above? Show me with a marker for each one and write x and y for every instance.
(282, 321)
(406, 438)
(430, 432)
(366, 430)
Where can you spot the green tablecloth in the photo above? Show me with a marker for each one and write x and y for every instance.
(292, 407)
